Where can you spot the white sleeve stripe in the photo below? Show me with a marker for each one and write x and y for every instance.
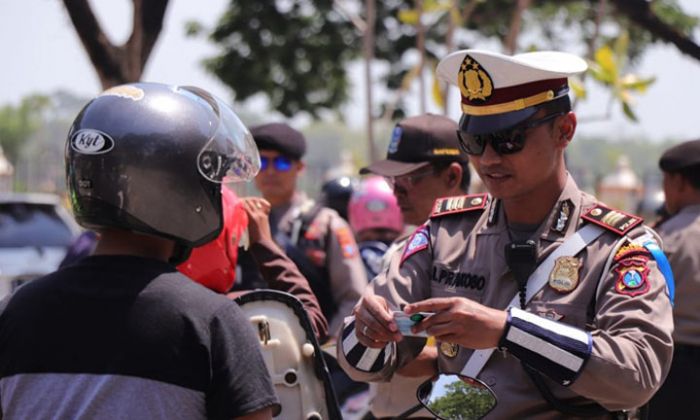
(537, 345)
(349, 342)
(553, 326)
(368, 358)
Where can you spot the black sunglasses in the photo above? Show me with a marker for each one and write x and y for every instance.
(504, 142)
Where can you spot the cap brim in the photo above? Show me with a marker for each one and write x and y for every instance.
(482, 124)
(392, 167)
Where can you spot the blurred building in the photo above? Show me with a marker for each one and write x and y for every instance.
(621, 189)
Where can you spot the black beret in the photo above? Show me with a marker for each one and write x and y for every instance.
(280, 137)
(681, 156)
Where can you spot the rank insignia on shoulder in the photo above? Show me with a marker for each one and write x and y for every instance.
(419, 240)
(459, 204)
(613, 220)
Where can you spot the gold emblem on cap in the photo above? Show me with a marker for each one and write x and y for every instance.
(449, 349)
(476, 201)
(564, 276)
(596, 212)
(473, 81)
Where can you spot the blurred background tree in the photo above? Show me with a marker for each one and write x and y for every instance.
(298, 52)
(117, 64)
(33, 135)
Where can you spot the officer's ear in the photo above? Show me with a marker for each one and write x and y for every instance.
(454, 175)
(567, 128)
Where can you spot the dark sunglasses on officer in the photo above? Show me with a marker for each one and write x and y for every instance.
(281, 163)
(504, 142)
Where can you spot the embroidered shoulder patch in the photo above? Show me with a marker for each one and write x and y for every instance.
(419, 240)
(613, 220)
(347, 242)
(459, 204)
(632, 277)
(631, 250)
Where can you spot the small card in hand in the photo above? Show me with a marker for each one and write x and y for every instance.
(405, 321)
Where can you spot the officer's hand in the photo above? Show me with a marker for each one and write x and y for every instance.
(258, 210)
(374, 323)
(460, 321)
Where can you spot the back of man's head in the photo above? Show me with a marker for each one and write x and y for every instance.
(683, 159)
(150, 158)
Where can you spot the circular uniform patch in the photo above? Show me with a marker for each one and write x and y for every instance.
(632, 277)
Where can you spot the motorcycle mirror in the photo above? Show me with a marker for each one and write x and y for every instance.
(456, 397)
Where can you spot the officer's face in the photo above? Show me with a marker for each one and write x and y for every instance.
(531, 171)
(277, 181)
(416, 200)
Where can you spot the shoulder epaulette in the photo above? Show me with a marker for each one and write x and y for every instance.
(459, 204)
(614, 220)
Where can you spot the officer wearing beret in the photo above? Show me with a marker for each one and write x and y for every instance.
(323, 238)
(680, 232)
(570, 291)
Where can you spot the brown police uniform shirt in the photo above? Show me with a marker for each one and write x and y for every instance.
(339, 255)
(390, 399)
(631, 332)
(681, 238)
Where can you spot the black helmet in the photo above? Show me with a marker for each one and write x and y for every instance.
(336, 193)
(150, 158)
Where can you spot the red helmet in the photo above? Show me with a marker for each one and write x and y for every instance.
(373, 205)
(213, 265)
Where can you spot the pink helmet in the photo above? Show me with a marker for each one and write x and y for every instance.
(373, 205)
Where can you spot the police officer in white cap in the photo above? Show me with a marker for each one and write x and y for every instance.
(571, 292)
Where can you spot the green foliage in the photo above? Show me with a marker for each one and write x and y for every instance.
(33, 136)
(462, 402)
(607, 68)
(17, 123)
(296, 52)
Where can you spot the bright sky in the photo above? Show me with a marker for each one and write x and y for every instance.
(42, 54)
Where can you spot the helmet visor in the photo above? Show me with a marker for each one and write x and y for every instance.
(230, 155)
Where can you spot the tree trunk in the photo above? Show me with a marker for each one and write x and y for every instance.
(420, 45)
(368, 38)
(125, 63)
(511, 41)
